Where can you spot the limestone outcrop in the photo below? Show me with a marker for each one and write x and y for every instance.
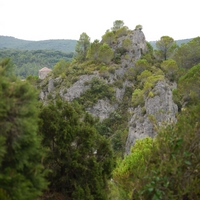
(158, 111)
(143, 121)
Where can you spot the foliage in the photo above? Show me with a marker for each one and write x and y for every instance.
(139, 27)
(166, 46)
(126, 44)
(108, 38)
(146, 77)
(82, 47)
(188, 90)
(28, 63)
(143, 76)
(150, 82)
(141, 65)
(117, 24)
(99, 90)
(22, 175)
(80, 159)
(170, 69)
(123, 31)
(66, 46)
(187, 55)
(166, 167)
(60, 68)
(105, 53)
(133, 166)
(138, 97)
(149, 55)
(93, 51)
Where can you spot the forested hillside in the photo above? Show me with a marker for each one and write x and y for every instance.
(66, 46)
(29, 62)
(120, 121)
(30, 56)
(178, 42)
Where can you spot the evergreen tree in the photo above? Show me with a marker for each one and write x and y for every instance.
(82, 46)
(21, 171)
(187, 55)
(105, 53)
(117, 24)
(80, 159)
(166, 46)
(93, 51)
(170, 69)
(108, 37)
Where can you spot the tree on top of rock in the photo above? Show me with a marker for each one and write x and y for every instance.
(166, 46)
(117, 24)
(82, 46)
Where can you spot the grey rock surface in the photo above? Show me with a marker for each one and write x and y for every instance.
(101, 109)
(159, 110)
(77, 88)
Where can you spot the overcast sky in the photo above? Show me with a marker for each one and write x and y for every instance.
(67, 19)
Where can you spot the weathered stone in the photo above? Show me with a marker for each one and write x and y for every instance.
(77, 88)
(159, 110)
(50, 85)
(101, 109)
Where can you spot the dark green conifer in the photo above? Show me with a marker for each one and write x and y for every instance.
(21, 171)
(80, 159)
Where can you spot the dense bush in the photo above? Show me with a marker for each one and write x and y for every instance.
(166, 167)
(22, 175)
(80, 159)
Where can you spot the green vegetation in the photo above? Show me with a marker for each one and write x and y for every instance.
(28, 63)
(22, 175)
(98, 90)
(66, 46)
(133, 166)
(138, 27)
(55, 149)
(165, 47)
(166, 167)
(82, 47)
(178, 42)
(105, 54)
(170, 68)
(117, 24)
(188, 91)
(108, 37)
(187, 55)
(80, 159)
(93, 51)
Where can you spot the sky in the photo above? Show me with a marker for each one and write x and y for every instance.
(67, 19)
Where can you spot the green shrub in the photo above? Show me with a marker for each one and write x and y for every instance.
(166, 167)
(137, 97)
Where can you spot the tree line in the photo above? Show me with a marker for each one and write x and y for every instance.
(28, 63)
(66, 46)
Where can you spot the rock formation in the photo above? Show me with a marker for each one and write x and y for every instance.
(159, 110)
(144, 121)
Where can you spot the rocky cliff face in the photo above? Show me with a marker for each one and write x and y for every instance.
(157, 111)
(143, 121)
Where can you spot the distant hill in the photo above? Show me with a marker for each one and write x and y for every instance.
(57, 45)
(7, 42)
(178, 42)
(28, 62)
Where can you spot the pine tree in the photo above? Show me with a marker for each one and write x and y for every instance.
(82, 47)
(21, 171)
(80, 159)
